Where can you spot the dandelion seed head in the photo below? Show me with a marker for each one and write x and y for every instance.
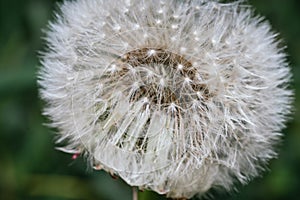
(174, 96)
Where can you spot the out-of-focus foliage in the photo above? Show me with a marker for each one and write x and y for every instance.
(30, 167)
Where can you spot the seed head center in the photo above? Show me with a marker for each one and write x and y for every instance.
(163, 77)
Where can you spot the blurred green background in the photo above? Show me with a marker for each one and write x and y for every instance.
(30, 168)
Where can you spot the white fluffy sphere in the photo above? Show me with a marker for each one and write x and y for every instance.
(173, 96)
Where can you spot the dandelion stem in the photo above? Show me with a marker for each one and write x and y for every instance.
(134, 193)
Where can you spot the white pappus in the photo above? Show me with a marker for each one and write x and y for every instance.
(173, 96)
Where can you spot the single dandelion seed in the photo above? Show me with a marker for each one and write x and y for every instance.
(178, 97)
(151, 52)
(180, 66)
